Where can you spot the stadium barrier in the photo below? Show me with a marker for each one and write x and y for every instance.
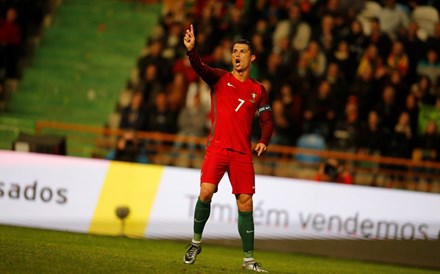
(281, 161)
(156, 202)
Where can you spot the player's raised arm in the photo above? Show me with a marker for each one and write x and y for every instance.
(189, 39)
(208, 74)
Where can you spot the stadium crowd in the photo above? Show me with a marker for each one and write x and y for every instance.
(355, 73)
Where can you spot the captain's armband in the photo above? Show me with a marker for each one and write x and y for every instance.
(264, 108)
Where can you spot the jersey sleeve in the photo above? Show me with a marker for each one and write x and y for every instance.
(266, 118)
(208, 74)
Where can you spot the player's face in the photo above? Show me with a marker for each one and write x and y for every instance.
(241, 57)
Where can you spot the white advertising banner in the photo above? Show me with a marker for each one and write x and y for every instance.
(82, 195)
(288, 208)
(48, 191)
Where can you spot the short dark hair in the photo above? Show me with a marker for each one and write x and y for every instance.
(246, 42)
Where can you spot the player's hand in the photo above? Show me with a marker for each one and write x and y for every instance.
(260, 148)
(189, 39)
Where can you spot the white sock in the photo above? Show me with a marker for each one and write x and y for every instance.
(197, 242)
(248, 260)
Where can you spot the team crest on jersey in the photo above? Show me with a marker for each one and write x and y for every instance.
(253, 96)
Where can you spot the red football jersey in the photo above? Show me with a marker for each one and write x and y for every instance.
(233, 107)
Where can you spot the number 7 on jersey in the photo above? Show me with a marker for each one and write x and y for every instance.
(239, 105)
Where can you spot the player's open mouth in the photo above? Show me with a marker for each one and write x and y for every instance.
(237, 62)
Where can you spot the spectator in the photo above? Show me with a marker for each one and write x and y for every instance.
(346, 129)
(430, 65)
(423, 92)
(307, 10)
(398, 59)
(160, 117)
(272, 13)
(177, 92)
(287, 117)
(216, 58)
(372, 136)
(272, 72)
(402, 137)
(325, 35)
(154, 56)
(411, 107)
(337, 85)
(315, 59)
(172, 44)
(345, 59)
(364, 89)
(10, 42)
(264, 10)
(337, 11)
(192, 123)
(235, 25)
(387, 108)
(208, 27)
(379, 38)
(296, 30)
(262, 28)
(394, 79)
(129, 148)
(400, 146)
(227, 44)
(288, 58)
(261, 49)
(175, 13)
(371, 60)
(133, 117)
(392, 19)
(356, 39)
(301, 78)
(414, 48)
(332, 171)
(320, 111)
(193, 118)
(150, 84)
(428, 143)
(201, 89)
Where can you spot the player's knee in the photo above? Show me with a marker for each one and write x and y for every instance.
(245, 203)
(206, 192)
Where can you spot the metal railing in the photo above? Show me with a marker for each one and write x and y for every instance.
(283, 161)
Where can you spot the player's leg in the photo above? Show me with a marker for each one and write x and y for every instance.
(213, 169)
(247, 232)
(201, 215)
(203, 209)
(246, 225)
(242, 176)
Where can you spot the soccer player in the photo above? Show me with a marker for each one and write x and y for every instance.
(235, 98)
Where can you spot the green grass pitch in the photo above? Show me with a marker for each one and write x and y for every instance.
(26, 250)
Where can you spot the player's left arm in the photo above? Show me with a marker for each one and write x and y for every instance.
(266, 122)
